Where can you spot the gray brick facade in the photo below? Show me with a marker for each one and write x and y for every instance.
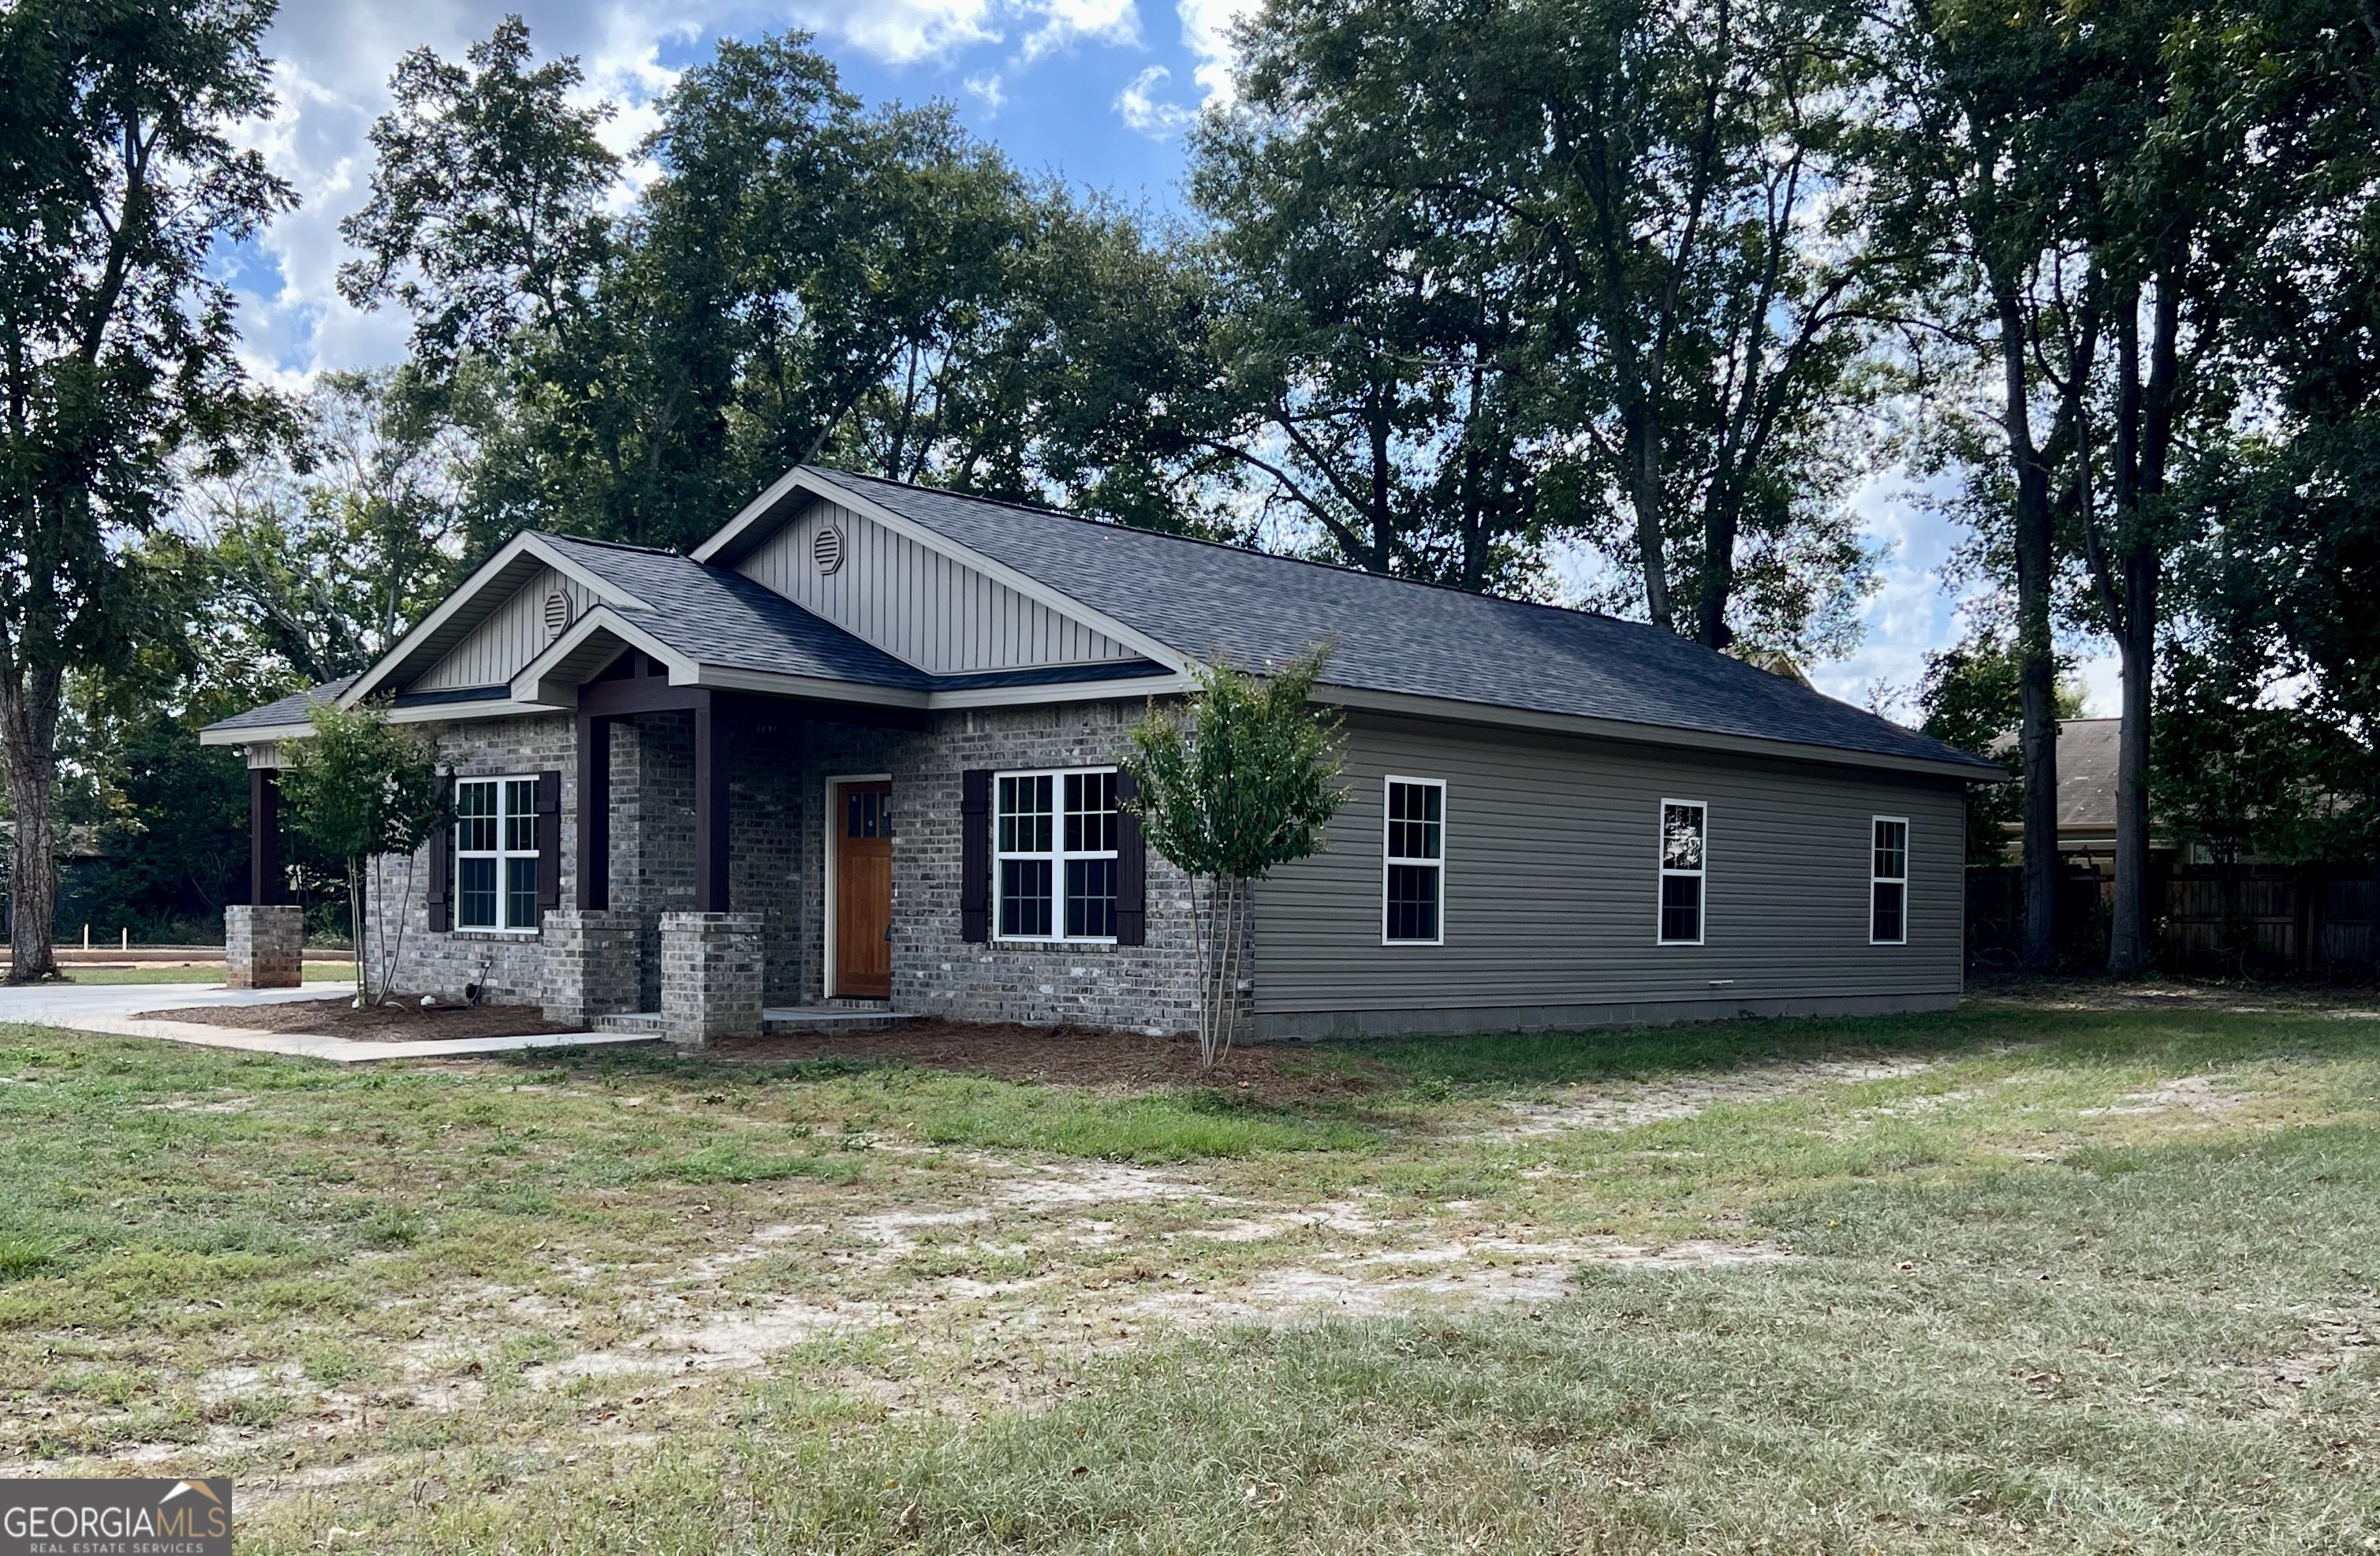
(264, 947)
(590, 963)
(710, 976)
(579, 966)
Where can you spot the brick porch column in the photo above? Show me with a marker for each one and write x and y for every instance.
(711, 965)
(590, 963)
(264, 947)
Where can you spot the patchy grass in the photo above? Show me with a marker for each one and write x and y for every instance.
(2012, 1279)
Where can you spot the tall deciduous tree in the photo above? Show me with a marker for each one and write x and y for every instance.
(118, 179)
(325, 547)
(2113, 173)
(804, 279)
(1506, 268)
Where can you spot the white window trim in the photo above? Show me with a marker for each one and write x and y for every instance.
(1661, 863)
(1387, 783)
(830, 902)
(1057, 855)
(1873, 880)
(501, 854)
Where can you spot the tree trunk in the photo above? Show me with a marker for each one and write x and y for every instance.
(29, 730)
(2142, 560)
(2128, 934)
(1645, 496)
(2035, 647)
(1719, 570)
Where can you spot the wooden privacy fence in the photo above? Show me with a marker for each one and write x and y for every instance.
(2228, 920)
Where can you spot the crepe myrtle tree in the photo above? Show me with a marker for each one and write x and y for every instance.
(1238, 780)
(359, 791)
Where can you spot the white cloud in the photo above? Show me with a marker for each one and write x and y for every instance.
(1145, 115)
(902, 31)
(1112, 22)
(1206, 33)
(986, 90)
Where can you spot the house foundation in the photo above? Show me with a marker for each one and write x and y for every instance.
(712, 970)
(264, 947)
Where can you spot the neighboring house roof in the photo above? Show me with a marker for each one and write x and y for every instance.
(2086, 774)
(2088, 750)
(1397, 644)
(1393, 634)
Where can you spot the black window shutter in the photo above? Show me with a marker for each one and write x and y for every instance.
(441, 870)
(549, 841)
(1132, 867)
(974, 854)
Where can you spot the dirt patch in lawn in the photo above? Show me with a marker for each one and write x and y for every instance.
(2027, 991)
(1111, 1063)
(338, 1017)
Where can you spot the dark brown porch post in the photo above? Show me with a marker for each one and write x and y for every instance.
(265, 885)
(594, 812)
(711, 758)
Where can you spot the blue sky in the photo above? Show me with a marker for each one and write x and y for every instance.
(1096, 91)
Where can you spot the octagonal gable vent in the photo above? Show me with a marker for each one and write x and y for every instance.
(826, 549)
(557, 614)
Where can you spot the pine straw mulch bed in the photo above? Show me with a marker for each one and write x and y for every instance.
(1095, 1058)
(337, 1017)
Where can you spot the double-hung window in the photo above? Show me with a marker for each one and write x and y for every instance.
(1055, 861)
(1887, 885)
(495, 854)
(1414, 860)
(1684, 838)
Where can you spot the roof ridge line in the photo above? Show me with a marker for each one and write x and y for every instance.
(608, 545)
(1341, 567)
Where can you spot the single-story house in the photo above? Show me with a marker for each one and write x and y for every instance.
(860, 746)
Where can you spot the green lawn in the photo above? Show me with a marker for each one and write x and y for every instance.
(316, 972)
(2016, 1279)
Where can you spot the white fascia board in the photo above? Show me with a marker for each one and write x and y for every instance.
(425, 713)
(935, 540)
(467, 593)
(751, 514)
(526, 683)
(1439, 708)
(255, 735)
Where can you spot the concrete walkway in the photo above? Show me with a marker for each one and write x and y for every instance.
(111, 1007)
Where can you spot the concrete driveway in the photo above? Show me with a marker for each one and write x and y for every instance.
(110, 1008)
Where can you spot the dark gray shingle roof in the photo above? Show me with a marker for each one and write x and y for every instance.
(291, 709)
(722, 618)
(1396, 636)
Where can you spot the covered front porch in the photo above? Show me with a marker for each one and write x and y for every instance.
(688, 861)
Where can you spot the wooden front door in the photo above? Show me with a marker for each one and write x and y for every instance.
(863, 892)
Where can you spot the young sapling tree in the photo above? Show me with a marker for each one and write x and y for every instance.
(1234, 782)
(359, 790)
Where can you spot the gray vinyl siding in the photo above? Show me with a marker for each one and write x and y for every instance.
(917, 604)
(1552, 885)
(494, 651)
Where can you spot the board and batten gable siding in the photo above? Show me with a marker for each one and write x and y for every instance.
(917, 604)
(1551, 892)
(497, 649)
